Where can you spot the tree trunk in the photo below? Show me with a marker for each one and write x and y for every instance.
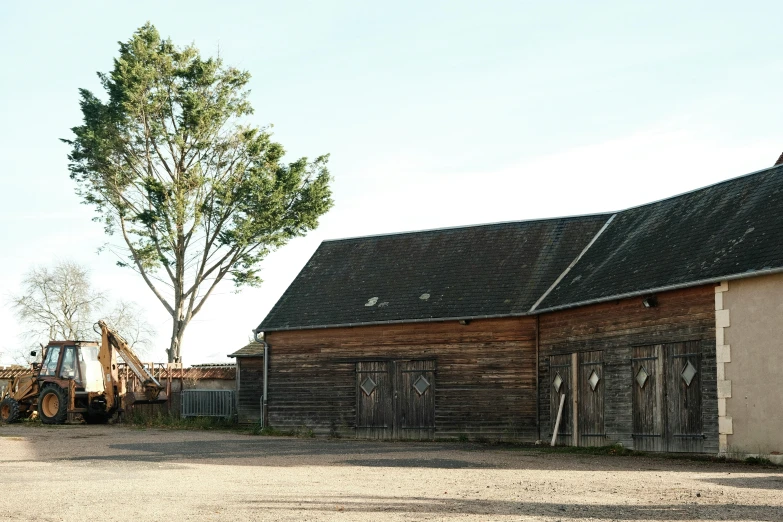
(179, 319)
(178, 330)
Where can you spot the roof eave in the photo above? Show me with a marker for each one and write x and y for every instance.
(667, 288)
(394, 321)
(615, 297)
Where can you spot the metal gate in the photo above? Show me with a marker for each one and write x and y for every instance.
(667, 397)
(395, 399)
(208, 403)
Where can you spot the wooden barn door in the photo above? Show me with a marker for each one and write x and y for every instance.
(560, 382)
(667, 397)
(646, 368)
(591, 399)
(415, 399)
(395, 399)
(374, 412)
(683, 397)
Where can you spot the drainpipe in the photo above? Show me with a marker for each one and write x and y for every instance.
(264, 409)
(538, 385)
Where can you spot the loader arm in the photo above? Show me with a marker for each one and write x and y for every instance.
(111, 339)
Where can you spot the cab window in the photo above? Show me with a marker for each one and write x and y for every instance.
(68, 370)
(49, 366)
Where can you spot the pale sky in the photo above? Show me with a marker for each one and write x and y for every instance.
(436, 114)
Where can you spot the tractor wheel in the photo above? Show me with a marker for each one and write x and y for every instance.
(9, 410)
(53, 405)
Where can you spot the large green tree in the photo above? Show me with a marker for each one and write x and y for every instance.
(173, 166)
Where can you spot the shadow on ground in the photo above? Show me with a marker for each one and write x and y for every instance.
(774, 482)
(256, 450)
(437, 506)
(245, 450)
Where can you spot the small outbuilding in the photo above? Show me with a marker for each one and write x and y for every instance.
(249, 381)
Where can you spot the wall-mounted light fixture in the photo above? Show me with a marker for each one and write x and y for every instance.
(650, 301)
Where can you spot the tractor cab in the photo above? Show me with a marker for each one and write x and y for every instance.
(71, 380)
(76, 361)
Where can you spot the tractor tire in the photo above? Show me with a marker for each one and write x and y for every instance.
(53, 405)
(9, 410)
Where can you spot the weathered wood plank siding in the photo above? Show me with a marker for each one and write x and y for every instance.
(251, 388)
(591, 400)
(615, 328)
(484, 375)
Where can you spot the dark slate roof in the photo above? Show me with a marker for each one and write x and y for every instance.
(478, 271)
(723, 231)
(253, 349)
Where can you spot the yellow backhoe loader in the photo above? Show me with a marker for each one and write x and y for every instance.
(78, 377)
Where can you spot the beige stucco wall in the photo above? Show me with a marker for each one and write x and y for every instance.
(753, 365)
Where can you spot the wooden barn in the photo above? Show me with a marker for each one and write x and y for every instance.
(627, 319)
(421, 334)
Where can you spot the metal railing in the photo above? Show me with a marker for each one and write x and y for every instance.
(208, 403)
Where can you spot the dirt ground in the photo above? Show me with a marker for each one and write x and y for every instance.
(120, 473)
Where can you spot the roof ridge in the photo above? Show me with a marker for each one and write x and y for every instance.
(699, 189)
(554, 218)
(476, 225)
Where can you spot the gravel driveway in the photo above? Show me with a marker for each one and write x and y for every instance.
(120, 473)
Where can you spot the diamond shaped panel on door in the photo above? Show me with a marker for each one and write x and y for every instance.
(421, 385)
(415, 390)
(374, 405)
(590, 402)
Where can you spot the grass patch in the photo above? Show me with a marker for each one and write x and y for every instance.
(302, 432)
(614, 449)
(267, 431)
(143, 420)
(758, 461)
(166, 421)
(32, 421)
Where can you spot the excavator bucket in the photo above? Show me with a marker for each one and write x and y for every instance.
(144, 398)
(152, 393)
